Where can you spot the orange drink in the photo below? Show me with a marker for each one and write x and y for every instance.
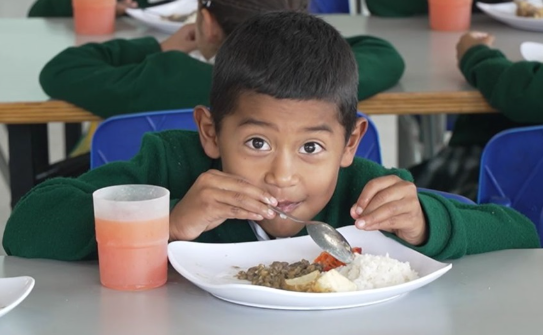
(132, 231)
(94, 17)
(450, 15)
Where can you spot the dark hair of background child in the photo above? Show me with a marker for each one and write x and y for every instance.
(231, 13)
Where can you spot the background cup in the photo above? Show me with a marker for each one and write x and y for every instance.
(94, 17)
(450, 15)
(132, 231)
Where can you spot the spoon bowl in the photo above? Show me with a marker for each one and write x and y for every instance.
(325, 236)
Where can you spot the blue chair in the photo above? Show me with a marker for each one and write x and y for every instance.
(119, 138)
(328, 6)
(512, 172)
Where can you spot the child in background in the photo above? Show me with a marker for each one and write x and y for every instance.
(513, 88)
(139, 75)
(281, 130)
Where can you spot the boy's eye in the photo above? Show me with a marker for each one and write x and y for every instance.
(311, 148)
(258, 144)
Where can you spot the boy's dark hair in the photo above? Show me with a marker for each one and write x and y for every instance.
(231, 13)
(286, 55)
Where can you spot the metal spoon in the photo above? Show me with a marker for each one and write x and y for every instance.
(326, 237)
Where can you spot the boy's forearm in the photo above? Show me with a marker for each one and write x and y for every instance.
(456, 229)
(56, 219)
(380, 65)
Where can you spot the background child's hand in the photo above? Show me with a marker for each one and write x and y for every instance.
(471, 39)
(182, 40)
(391, 204)
(215, 197)
(122, 5)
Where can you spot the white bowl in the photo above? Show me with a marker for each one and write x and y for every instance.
(213, 267)
(14, 290)
(532, 51)
(506, 13)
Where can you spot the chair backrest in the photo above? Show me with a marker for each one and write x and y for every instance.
(512, 172)
(119, 137)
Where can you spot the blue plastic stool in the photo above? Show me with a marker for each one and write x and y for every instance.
(512, 172)
(328, 6)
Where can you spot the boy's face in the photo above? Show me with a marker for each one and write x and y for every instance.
(292, 149)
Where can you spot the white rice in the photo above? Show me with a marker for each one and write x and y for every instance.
(371, 271)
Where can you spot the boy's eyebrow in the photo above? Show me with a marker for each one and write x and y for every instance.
(251, 121)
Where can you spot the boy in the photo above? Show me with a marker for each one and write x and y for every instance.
(281, 130)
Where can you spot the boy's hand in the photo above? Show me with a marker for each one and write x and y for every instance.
(183, 40)
(391, 204)
(471, 39)
(215, 197)
(122, 5)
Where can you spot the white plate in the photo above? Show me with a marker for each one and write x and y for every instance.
(152, 16)
(13, 291)
(213, 267)
(506, 13)
(532, 51)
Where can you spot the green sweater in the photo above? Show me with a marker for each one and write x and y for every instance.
(55, 219)
(513, 88)
(63, 8)
(402, 8)
(129, 76)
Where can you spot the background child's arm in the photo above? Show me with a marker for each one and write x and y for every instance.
(380, 65)
(63, 8)
(55, 219)
(397, 8)
(126, 76)
(513, 88)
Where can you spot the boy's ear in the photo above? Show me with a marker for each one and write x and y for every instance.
(354, 140)
(211, 29)
(206, 131)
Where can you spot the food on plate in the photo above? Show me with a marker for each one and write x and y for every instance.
(185, 18)
(526, 9)
(327, 274)
(329, 262)
(275, 274)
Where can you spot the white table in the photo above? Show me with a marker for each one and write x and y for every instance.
(494, 293)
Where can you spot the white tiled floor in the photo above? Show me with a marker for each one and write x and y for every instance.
(387, 126)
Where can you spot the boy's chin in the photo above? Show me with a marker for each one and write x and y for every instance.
(281, 229)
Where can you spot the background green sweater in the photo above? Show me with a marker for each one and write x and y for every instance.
(402, 8)
(55, 219)
(513, 88)
(129, 76)
(63, 8)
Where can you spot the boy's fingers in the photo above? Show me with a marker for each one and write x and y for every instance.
(239, 185)
(391, 225)
(388, 212)
(373, 187)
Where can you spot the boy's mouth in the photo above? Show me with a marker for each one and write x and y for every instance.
(287, 206)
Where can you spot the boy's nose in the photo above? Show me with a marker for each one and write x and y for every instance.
(282, 172)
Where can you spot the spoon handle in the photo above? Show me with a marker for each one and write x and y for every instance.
(283, 215)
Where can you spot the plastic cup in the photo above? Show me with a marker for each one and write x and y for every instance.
(94, 17)
(450, 15)
(132, 231)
